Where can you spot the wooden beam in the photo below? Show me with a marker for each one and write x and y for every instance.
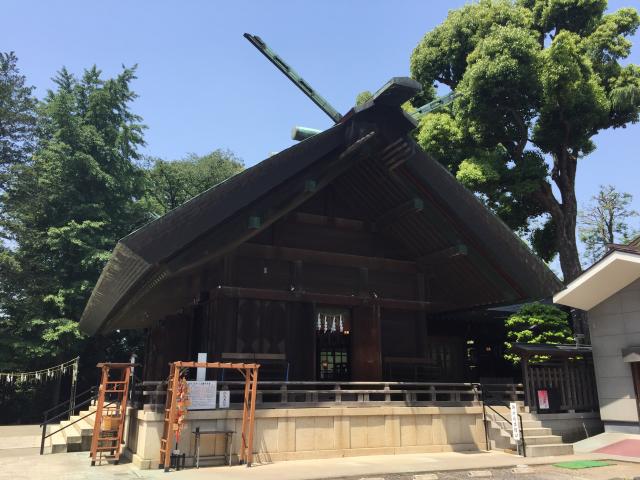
(443, 255)
(255, 250)
(333, 222)
(327, 298)
(407, 208)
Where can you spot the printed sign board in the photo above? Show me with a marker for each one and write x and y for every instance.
(515, 423)
(202, 394)
(543, 399)
(224, 398)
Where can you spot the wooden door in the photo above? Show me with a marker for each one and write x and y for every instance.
(366, 356)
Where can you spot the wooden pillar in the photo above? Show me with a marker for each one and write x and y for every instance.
(366, 355)
(529, 396)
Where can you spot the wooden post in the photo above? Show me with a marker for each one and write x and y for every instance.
(254, 388)
(175, 374)
(243, 439)
(524, 360)
(98, 420)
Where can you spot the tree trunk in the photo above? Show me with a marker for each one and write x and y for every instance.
(568, 251)
(564, 214)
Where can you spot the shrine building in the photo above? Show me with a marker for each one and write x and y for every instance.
(352, 256)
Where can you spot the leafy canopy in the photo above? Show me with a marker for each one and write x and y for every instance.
(17, 115)
(64, 209)
(171, 183)
(536, 79)
(537, 323)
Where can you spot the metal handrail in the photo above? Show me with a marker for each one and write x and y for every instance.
(69, 411)
(484, 406)
(91, 390)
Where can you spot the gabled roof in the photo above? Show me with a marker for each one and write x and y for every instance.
(371, 155)
(619, 267)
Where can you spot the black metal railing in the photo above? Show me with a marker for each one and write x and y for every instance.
(491, 406)
(73, 404)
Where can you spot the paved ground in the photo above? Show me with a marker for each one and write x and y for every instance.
(626, 447)
(19, 460)
(27, 464)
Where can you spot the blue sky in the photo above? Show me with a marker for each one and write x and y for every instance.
(202, 86)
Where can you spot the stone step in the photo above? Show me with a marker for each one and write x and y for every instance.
(85, 426)
(546, 450)
(85, 429)
(58, 441)
(525, 424)
(536, 432)
(71, 435)
(543, 440)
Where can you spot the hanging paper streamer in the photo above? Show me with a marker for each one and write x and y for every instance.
(42, 375)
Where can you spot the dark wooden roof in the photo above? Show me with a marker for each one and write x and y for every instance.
(371, 155)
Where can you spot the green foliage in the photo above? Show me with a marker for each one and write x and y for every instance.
(536, 80)
(606, 220)
(170, 184)
(74, 184)
(62, 212)
(537, 323)
(363, 97)
(17, 115)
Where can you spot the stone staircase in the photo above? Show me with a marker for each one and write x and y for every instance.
(74, 437)
(539, 441)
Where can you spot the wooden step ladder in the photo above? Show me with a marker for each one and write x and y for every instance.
(171, 424)
(111, 409)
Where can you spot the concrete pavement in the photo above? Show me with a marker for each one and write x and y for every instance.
(382, 466)
(19, 459)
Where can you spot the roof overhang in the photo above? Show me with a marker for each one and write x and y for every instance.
(553, 350)
(605, 278)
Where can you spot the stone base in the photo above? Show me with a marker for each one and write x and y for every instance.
(311, 433)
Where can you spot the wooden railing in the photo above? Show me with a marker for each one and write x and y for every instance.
(276, 394)
(573, 382)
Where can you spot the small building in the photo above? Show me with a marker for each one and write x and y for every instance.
(351, 256)
(610, 292)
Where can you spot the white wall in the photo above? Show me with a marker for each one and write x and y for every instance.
(615, 324)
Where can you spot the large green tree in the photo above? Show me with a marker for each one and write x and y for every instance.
(171, 183)
(62, 211)
(536, 79)
(17, 115)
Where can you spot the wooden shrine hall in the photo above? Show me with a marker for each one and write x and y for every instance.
(349, 256)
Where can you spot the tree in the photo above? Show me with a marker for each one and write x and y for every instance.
(171, 183)
(536, 323)
(605, 221)
(363, 97)
(536, 79)
(63, 210)
(17, 115)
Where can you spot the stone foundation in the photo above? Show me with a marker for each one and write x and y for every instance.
(306, 433)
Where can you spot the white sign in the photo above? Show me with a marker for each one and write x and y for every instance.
(201, 373)
(224, 398)
(202, 394)
(515, 424)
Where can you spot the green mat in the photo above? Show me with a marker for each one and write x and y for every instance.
(578, 464)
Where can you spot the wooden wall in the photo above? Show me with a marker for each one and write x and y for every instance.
(325, 248)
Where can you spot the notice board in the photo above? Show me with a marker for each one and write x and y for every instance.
(202, 394)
